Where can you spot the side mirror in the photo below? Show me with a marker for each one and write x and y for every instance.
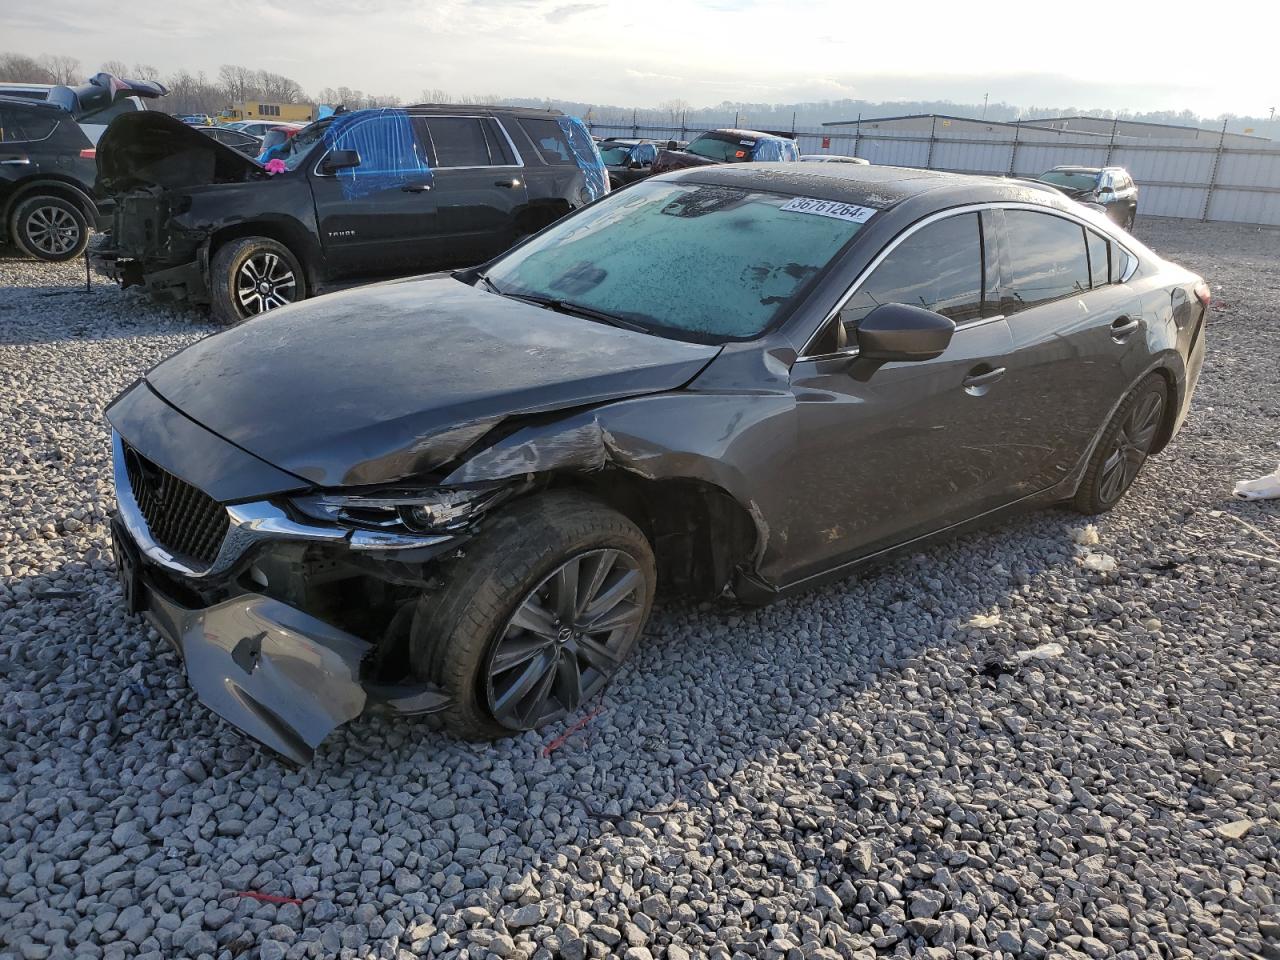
(339, 160)
(1103, 191)
(898, 332)
(634, 164)
(673, 145)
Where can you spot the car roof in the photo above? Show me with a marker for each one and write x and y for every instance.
(471, 109)
(739, 132)
(1068, 168)
(31, 104)
(869, 184)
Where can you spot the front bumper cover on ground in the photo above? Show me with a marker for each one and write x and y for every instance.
(281, 676)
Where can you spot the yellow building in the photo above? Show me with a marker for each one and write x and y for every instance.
(255, 110)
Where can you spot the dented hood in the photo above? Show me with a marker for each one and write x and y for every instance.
(387, 382)
(152, 149)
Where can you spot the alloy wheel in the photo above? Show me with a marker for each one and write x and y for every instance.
(52, 230)
(263, 282)
(1136, 435)
(566, 639)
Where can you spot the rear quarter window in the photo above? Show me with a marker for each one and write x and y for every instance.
(550, 141)
(1047, 259)
(18, 125)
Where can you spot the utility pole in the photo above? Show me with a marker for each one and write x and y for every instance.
(984, 105)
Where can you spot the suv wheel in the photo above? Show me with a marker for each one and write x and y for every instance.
(538, 615)
(251, 276)
(1123, 448)
(49, 228)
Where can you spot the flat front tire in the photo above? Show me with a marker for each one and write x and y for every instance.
(1124, 447)
(537, 616)
(252, 275)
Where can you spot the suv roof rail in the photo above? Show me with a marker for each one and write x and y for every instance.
(486, 107)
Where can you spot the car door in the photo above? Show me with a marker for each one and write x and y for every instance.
(377, 218)
(479, 185)
(891, 453)
(1073, 331)
(33, 142)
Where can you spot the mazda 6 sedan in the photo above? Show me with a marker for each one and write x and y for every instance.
(460, 493)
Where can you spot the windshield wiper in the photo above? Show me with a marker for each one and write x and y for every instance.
(576, 310)
(490, 284)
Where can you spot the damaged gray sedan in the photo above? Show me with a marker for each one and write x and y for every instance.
(460, 493)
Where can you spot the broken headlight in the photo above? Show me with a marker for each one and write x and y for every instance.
(414, 511)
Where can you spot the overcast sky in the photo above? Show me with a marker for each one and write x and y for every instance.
(1136, 54)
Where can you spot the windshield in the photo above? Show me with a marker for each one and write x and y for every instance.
(296, 148)
(722, 147)
(614, 156)
(1072, 181)
(691, 261)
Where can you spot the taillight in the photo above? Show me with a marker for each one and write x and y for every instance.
(1203, 294)
(89, 153)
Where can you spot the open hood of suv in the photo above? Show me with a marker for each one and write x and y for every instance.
(152, 149)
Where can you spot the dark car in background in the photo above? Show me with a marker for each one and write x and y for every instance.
(728, 146)
(372, 193)
(1110, 189)
(47, 203)
(461, 493)
(627, 160)
(237, 140)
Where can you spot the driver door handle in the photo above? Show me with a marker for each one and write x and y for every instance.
(18, 161)
(985, 378)
(514, 182)
(416, 188)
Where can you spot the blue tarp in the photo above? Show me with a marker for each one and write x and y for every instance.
(586, 155)
(389, 152)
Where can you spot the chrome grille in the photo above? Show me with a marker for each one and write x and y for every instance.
(181, 518)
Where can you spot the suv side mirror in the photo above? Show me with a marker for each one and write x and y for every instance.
(899, 332)
(339, 160)
(673, 145)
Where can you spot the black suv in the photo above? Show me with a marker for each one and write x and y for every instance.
(372, 193)
(1109, 189)
(46, 180)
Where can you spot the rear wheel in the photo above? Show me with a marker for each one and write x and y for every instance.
(1123, 448)
(49, 228)
(537, 617)
(251, 276)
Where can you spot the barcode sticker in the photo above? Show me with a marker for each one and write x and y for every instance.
(830, 208)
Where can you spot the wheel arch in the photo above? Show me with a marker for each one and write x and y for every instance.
(699, 532)
(64, 189)
(282, 230)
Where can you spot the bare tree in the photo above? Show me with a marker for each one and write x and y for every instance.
(435, 95)
(19, 68)
(675, 109)
(117, 68)
(145, 71)
(65, 69)
(193, 93)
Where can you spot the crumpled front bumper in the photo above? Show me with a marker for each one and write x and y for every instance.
(281, 676)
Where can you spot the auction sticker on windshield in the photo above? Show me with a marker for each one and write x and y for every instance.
(830, 208)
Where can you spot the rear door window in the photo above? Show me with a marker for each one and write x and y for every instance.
(550, 140)
(939, 267)
(1047, 260)
(458, 142)
(18, 125)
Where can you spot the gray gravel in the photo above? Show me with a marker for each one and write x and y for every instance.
(992, 748)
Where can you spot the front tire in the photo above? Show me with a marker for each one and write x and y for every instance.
(537, 616)
(1124, 447)
(49, 228)
(251, 276)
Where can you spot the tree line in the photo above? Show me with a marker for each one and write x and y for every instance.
(199, 93)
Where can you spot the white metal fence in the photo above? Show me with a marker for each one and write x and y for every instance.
(1176, 178)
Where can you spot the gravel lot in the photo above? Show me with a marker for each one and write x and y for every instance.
(986, 749)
